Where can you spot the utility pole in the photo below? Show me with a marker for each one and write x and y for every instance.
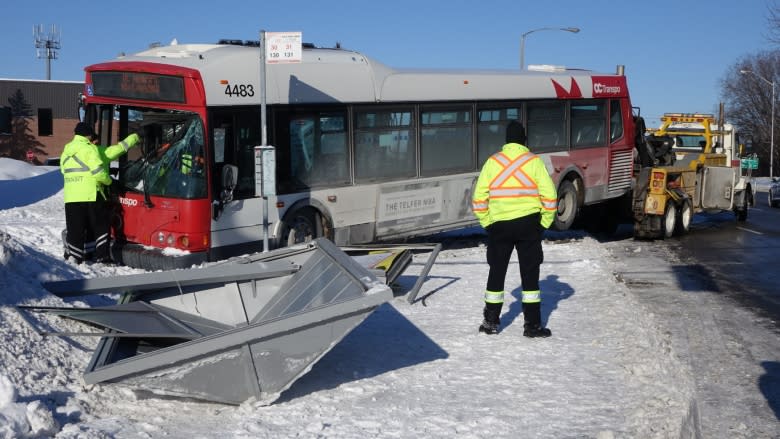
(46, 45)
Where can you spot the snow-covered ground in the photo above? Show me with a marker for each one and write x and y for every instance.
(418, 370)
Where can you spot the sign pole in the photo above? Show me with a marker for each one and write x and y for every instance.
(264, 131)
(285, 47)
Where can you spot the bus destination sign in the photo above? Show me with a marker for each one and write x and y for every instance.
(135, 85)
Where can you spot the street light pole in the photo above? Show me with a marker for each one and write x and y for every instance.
(573, 30)
(771, 124)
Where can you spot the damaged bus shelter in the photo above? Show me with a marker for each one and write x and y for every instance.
(240, 329)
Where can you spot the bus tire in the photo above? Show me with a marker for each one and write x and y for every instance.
(568, 204)
(669, 220)
(300, 226)
(684, 216)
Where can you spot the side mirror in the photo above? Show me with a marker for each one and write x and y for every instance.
(229, 182)
(229, 178)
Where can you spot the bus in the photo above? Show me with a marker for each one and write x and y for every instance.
(364, 153)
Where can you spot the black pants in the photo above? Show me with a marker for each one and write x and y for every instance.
(87, 221)
(524, 235)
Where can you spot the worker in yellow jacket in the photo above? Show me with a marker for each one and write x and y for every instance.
(84, 167)
(515, 201)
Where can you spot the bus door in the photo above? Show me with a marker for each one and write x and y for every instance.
(237, 223)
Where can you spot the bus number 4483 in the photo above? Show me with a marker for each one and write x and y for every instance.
(242, 90)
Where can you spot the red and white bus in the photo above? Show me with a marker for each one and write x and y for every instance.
(364, 152)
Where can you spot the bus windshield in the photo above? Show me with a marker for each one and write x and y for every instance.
(172, 162)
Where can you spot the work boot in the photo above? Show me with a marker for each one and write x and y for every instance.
(104, 260)
(488, 327)
(533, 331)
(532, 313)
(491, 323)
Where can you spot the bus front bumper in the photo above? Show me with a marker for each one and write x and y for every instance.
(146, 258)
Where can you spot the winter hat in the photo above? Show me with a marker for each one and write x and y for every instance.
(84, 129)
(515, 133)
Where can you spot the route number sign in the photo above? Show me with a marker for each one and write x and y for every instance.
(283, 47)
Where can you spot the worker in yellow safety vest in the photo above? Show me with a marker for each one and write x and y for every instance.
(515, 201)
(84, 167)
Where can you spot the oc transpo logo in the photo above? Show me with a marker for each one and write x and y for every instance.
(603, 89)
(129, 202)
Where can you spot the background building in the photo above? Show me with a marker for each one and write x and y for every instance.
(37, 117)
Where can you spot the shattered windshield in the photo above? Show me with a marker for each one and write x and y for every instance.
(172, 161)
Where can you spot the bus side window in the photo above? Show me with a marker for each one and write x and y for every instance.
(318, 150)
(384, 144)
(301, 150)
(546, 126)
(615, 120)
(222, 149)
(234, 136)
(247, 136)
(219, 145)
(331, 159)
(445, 141)
(588, 122)
(491, 130)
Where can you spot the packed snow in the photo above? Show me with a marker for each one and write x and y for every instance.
(409, 370)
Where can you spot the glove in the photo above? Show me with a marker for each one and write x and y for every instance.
(131, 140)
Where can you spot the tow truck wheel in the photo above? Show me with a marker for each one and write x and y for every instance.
(669, 220)
(684, 216)
(741, 211)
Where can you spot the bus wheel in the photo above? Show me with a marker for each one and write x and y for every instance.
(300, 227)
(684, 218)
(567, 206)
(669, 220)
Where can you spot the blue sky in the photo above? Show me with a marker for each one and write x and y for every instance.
(675, 52)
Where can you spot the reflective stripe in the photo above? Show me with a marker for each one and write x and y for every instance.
(512, 169)
(101, 240)
(83, 168)
(479, 205)
(549, 204)
(97, 170)
(75, 251)
(513, 192)
(124, 145)
(531, 296)
(500, 157)
(494, 296)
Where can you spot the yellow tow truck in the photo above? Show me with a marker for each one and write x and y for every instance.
(689, 164)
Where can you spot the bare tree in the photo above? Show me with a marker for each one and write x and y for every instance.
(773, 23)
(747, 93)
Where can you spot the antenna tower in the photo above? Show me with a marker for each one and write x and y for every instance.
(47, 44)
